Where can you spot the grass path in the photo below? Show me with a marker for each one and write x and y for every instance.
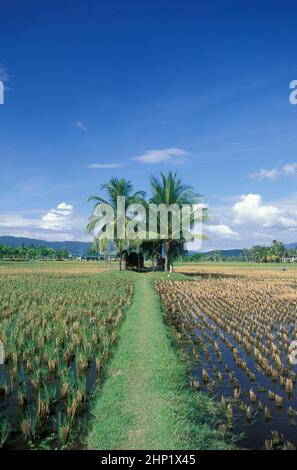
(145, 402)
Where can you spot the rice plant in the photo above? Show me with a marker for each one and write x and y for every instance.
(55, 327)
(237, 332)
(4, 431)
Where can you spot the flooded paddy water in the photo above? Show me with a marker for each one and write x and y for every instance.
(237, 332)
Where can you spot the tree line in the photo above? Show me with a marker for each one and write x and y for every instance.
(274, 253)
(32, 252)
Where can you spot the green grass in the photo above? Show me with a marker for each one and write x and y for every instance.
(237, 265)
(146, 401)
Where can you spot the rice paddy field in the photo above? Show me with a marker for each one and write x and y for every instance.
(236, 326)
(58, 331)
(55, 267)
(60, 325)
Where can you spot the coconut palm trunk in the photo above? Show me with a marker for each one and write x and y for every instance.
(121, 259)
(167, 255)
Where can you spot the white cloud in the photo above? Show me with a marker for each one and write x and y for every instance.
(288, 169)
(162, 155)
(80, 126)
(253, 220)
(250, 209)
(104, 165)
(216, 234)
(264, 174)
(221, 230)
(64, 206)
(55, 219)
(58, 218)
(17, 220)
(56, 224)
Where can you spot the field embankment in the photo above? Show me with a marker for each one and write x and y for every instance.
(146, 402)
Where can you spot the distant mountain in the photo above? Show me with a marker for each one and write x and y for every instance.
(74, 248)
(291, 246)
(235, 253)
(227, 253)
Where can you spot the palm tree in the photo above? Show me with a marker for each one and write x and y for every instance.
(278, 251)
(114, 188)
(170, 190)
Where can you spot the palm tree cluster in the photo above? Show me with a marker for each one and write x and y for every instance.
(168, 190)
(267, 254)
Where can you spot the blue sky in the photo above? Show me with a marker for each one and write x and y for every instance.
(92, 85)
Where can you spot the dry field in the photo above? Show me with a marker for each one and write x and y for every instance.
(56, 267)
(274, 271)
